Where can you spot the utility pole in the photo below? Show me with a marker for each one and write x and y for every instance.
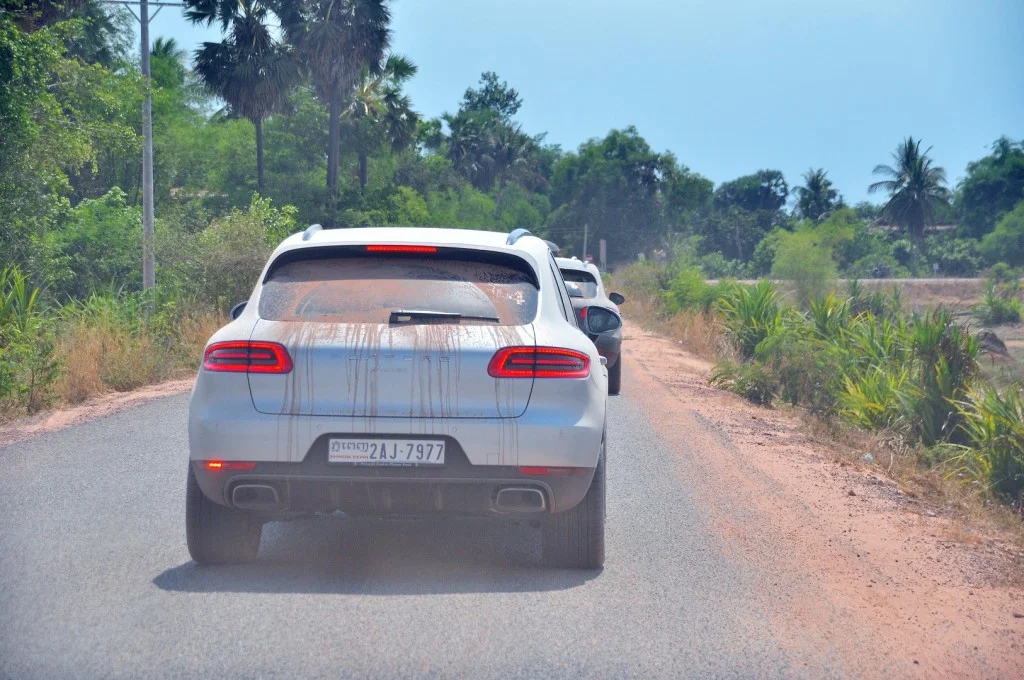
(148, 264)
(584, 242)
(143, 17)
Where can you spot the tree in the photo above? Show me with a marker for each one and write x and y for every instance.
(335, 41)
(167, 64)
(514, 157)
(745, 210)
(378, 112)
(992, 187)
(764, 190)
(249, 69)
(916, 189)
(613, 186)
(492, 96)
(1005, 243)
(817, 198)
(103, 36)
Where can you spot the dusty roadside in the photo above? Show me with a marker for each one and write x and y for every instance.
(842, 549)
(91, 409)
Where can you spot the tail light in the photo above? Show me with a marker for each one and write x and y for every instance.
(244, 356)
(538, 362)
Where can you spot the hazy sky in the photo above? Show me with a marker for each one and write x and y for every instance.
(730, 86)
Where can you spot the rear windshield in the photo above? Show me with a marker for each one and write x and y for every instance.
(580, 283)
(369, 289)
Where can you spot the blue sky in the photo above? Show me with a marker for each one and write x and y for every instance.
(730, 86)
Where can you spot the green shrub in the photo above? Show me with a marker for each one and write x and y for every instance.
(717, 266)
(1000, 304)
(750, 380)
(219, 266)
(688, 290)
(99, 246)
(805, 367)
(829, 316)
(873, 399)
(27, 367)
(1001, 272)
(954, 256)
(1005, 243)
(751, 314)
(994, 426)
(876, 302)
(651, 278)
(945, 359)
(805, 260)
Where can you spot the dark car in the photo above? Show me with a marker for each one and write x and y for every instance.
(596, 313)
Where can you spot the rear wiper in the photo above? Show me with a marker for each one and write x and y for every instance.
(408, 315)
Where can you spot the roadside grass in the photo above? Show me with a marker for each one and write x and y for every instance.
(866, 372)
(61, 355)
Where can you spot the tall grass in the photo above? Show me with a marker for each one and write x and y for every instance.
(108, 341)
(112, 342)
(27, 366)
(993, 423)
(862, 360)
(750, 315)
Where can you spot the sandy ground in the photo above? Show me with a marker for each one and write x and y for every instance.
(843, 550)
(91, 409)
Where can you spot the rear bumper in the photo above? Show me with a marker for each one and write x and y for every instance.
(563, 427)
(456, 488)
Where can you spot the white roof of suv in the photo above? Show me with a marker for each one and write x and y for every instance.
(522, 241)
(575, 263)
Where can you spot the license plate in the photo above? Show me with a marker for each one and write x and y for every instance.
(386, 451)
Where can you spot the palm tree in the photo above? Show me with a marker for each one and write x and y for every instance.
(816, 198)
(168, 63)
(336, 40)
(167, 48)
(249, 69)
(513, 154)
(378, 111)
(915, 186)
(468, 145)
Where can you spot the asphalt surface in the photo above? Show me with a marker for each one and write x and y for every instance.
(96, 581)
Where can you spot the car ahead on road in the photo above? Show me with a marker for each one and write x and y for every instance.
(397, 372)
(597, 313)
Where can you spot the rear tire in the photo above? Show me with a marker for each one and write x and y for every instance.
(574, 539)
(615, 376)
(218, 534)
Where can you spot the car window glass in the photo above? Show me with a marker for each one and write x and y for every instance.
(368, 289)
(580, 283)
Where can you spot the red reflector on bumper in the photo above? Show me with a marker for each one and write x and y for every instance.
(229, 465)
(541, 471)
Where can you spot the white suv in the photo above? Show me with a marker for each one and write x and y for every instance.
(400, 371)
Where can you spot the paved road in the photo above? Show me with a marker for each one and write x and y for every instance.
(95, 579)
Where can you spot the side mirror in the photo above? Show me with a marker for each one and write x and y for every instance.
(617, 298)
(237, 310)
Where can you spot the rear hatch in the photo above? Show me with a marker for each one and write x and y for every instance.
(395, 334)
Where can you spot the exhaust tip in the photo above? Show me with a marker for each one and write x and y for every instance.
(254, 496)
(519, 499)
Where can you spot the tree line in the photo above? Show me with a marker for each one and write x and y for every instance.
(303, 103)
